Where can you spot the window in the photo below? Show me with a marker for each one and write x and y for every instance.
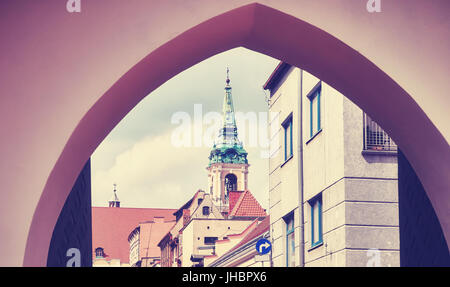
(290, 240)
(314, 110)
(199, 201)
(287, 126)
(316, 220)
(99, 253)
(205, 210)
(210, 240)
(230, 182)
(375, 138)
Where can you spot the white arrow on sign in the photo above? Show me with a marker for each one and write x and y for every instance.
(263, 246)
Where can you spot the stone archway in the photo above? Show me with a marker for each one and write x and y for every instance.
(276, 34)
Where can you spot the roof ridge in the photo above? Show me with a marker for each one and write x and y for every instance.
(238, 203)
(188, 204)
(258, 204)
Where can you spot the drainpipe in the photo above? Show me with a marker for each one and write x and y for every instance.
(300, 171)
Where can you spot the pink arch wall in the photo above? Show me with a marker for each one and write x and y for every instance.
(55, 110)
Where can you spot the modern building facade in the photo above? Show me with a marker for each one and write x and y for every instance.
(333, 177)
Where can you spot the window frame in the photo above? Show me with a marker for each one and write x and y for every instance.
(312, 202)
(315, 92)
(288, 219)
(287, 124)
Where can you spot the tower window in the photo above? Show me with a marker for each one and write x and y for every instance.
(205, 210)
(230, 182)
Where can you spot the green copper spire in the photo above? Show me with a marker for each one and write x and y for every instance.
(228, 135)
(228, 148)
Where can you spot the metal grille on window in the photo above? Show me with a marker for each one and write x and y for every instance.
(375, 138)
(99, 253)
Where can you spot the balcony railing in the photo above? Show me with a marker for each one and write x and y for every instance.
(206, 250)
(375, 138)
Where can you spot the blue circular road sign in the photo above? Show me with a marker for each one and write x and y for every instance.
(263, 246)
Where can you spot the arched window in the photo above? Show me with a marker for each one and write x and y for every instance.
(205, 210)
(230, 182)
(99, 253)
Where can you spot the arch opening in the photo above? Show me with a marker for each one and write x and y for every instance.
(248, 26)
(230, 182)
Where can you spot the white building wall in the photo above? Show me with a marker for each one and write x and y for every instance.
(197, 229)
(283, 178)
(359, 192)
(323, 167)
(188, 245)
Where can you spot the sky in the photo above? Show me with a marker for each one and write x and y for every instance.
(143, 154)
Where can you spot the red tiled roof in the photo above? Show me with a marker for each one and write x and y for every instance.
(150, 235)
(247, 206)
(233, 198)
(111, 227)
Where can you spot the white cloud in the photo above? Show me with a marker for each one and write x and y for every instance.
(151, 173)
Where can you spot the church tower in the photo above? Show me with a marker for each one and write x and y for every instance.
(228, 165)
